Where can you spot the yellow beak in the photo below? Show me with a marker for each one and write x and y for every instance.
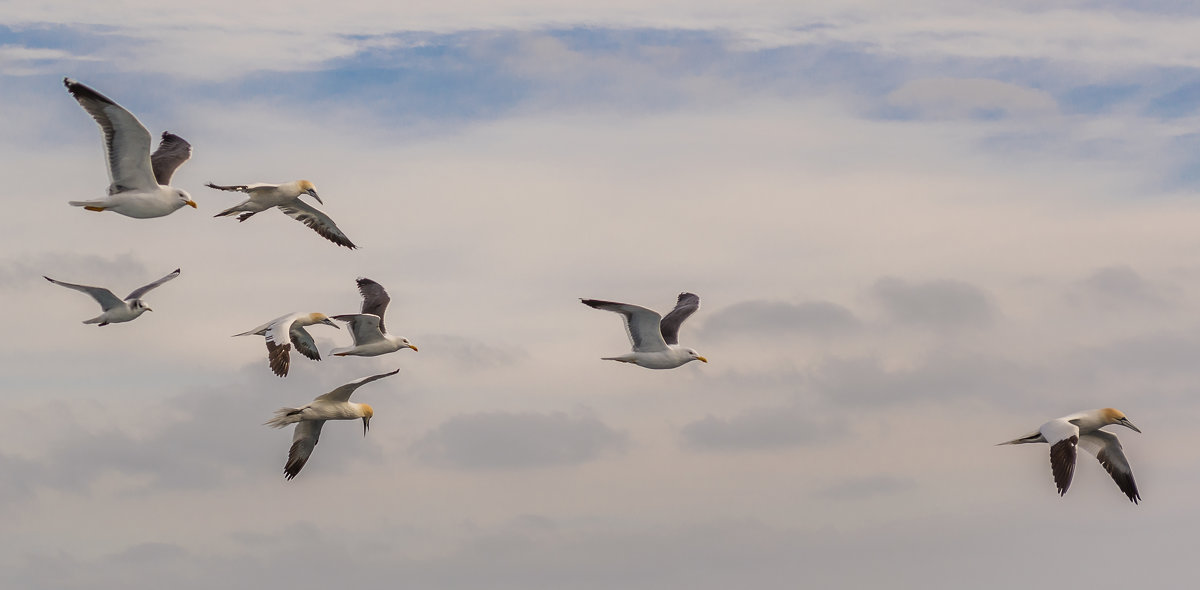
(412, 347)
(700, 358)
(192, 203)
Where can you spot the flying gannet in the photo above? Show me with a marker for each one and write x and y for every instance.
(117, 310)
(286, 331)
(370, 336)
(137, 180)
(655, 338)
(286, 197)
(309, 419)
(1083, 429)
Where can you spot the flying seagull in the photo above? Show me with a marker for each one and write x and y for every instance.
(138, 181)
(1083, 429)
(286, 197)
(370, 337)
(116, 310)
(309, 419)
(655, 338)
(286, 331)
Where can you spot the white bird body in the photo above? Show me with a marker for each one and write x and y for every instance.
(309, 419)
(286, 197)
(117, 310)
(138, 180)
(367, 328)
(655, 338)
(1084, 429)
(284, 332)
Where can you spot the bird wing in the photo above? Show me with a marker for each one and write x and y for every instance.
(375, 299)
(279, 344)
(1107, 449)
(137, 293)
(303, 341)
(304, 440)
(1063, 437)
(103, 296)
(318, 221)
(172, 152)
(641, 324)
(126, 141)
(364, 328)
(342, 394)
(687, 304)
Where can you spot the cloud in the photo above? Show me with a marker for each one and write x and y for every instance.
(864, 488)
(1116, 287)
(763, 429)
(935, 304)
(500, 440)
(779, 318)
(970, 97)
(21, 271)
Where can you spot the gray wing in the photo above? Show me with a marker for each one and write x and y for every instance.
(303, 341)
(641, 324)
(172, 152)
(137, 293)
(304, 440)
(364, 328)
(342, 394)
(1108, 451)
(126, 141)
(687, 304)
(375, 299)
(318, 221)
(103, 296)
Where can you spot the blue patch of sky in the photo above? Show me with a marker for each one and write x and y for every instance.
(1181, 101)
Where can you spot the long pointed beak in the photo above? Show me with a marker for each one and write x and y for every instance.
(412, 347)
(1125, 422)
(313, 192)
(192, 203)
(148, 309)
(366, 425)
(330, 323)
(702, 359)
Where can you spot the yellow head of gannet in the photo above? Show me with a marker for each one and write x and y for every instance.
(308, 188)
(367, 412)
(320, 318)
(1115, 416)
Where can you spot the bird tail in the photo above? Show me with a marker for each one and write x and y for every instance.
(283, 417)
(94, 203)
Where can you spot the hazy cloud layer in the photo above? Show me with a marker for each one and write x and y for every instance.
(499, 440)
(778, 318)
(934, 304)
(764, 429)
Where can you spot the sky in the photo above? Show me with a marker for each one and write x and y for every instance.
(917, 231)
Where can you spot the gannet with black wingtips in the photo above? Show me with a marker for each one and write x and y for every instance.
(655, 338)
(309, 419)
(138, 180)
(284, 332)
(1083, 430)
(370, 336)
(286, 197)
(117, 310)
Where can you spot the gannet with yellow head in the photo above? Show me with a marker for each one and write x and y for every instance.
(284, 332)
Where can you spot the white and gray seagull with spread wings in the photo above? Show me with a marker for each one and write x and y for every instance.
(309, 419)
(286, 197)
(370, 336)
(117, 310)
(1083, 430)
(138, 180)
(284, 332)
(655, 338)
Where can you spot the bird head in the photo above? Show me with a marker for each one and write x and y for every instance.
(693, 355)
(320, 318)
(1115, 416)
(406, 343)
(307, 188)
(139, 306)
(184, 198)
(367, 413)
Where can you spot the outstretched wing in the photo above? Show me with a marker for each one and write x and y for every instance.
(364, 328)
(103, 296)
(641, 324)
(1063, 436)
(342, 394)
(304, 440)
(375, 299)
(172, 152)
(318, 221)
(279, 344)
(303, 341)
(687, 304)
(126, 141)
(137, 293)
(1108, 451)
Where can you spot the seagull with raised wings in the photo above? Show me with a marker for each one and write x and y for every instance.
(138, 180)
(284, 332)
(370, 336)
(309, 419)
(655, 338)
(286, 197)
(1083, 430)
(117, 310)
